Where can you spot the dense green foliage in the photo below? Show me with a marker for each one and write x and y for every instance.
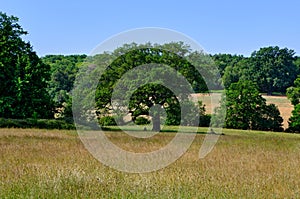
(247, 109)
(293, 93)
(226, 60)
(63, 73)
(271, 68)
(151, 94)
(275, 67)
(107, 121)
(142, 121)
(23, 76)
(35, 123)
(294, 121)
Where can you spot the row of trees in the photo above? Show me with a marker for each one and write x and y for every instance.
(245, 107)
(271, 68)
(41, 87)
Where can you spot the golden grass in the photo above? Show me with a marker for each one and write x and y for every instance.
(284, 105)
(243, 164)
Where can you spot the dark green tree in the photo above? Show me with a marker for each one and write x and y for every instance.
(293, 94)
(23, 76)
(153, 94)
(237, 71)
(222, 61)
(297, 62)
(274, 68)
(294, 121)
(247, 109)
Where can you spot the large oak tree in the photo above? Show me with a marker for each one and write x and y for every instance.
(154, 94)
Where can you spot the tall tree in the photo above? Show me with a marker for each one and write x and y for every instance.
(275, 69)
(23, 76)
(149, 95)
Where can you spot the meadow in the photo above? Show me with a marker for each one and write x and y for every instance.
(244, 164)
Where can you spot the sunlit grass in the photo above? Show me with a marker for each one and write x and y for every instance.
(243, 164)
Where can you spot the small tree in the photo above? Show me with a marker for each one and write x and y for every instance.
(270, 119)
(293, 94)
(247, 109)
(294, 121)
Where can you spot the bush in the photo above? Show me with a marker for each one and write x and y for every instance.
(141, 121)
(204, 120)
(107, 121)
(35, 123)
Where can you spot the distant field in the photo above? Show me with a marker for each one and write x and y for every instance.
(284, 105)
(243, 164)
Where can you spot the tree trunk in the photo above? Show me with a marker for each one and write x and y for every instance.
(269, 93)
(156, 122)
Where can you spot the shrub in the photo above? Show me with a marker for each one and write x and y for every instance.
(35, 123)
(141, 121)
(107, 121)
(294, 121)
(204, 120)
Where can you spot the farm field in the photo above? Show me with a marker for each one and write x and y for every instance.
(244, 164)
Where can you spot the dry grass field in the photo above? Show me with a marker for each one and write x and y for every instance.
(284, 105)
(243, 164)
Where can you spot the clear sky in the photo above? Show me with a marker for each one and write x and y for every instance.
(224, 26)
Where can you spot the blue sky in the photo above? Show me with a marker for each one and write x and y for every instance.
(231, 26)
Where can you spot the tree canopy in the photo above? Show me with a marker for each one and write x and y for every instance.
(226, 60)
(271, 68)
(63, 73)
(150, 94)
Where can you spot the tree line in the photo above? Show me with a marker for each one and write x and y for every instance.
(41, 87)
